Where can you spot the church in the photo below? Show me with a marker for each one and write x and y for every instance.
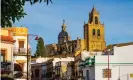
(93, 38)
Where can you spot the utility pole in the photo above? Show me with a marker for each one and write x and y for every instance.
(108, 66)
(27, 57)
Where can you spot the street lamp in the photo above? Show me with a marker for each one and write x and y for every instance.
(107, 51)
(36, 38)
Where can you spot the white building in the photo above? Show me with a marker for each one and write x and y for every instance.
(41, 64)
(120, 64)
(88, 70)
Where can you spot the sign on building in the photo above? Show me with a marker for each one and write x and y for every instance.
(131, 75)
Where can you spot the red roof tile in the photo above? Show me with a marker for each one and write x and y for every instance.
(7, 38)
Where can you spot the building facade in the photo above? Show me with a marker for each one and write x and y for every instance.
(120, 63)
(21, 50)
(39, 68)
(7, 42)
(94, 32)
(37, 71)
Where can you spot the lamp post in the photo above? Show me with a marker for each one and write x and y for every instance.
(36, 38)
(107, 51)
(108, 65)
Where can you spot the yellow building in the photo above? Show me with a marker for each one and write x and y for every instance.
(6, 53)
(93, 38)
(94, 32)
(6, 46)
(19, 49)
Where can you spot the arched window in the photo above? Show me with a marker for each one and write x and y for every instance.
(96, 20)
(98, 32)
(93, 31)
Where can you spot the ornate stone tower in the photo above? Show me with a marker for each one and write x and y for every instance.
(63, 35)
(94, 32)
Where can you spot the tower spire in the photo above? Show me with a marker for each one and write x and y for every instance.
(94, 10)
(84, 22)
(63, 21)
(63, 26)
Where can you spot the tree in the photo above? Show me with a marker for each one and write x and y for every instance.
(40, 49)
(12, 10)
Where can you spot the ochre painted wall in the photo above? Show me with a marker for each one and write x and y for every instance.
(9, 51)
(93, 41)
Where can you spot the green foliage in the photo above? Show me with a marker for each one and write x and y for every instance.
(12, 10)
(40, 49)
(35, 1)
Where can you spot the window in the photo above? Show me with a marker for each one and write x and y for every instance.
(2, 55)
(76, 73)
(21, 44)
(105, 73)
(96, 20)
(81, 73)
(98, 32)
(69, 48)
(93, 31)
(75, 45)
(32, 75)
(37, 73)
(87, 74)
(53, 49)
(43, 74)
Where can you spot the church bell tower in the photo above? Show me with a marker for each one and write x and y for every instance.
(94, 32)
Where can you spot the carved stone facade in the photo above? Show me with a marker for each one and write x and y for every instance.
(68, 48)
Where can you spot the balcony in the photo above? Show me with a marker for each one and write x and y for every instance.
(21, 51)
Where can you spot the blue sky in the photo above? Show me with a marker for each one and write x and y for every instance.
(46, 21)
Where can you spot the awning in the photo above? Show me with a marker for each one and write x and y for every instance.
(20, 61)
(90, 61)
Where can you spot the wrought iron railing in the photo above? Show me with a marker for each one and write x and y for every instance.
(20, 51)
(6, 70)
(6, 66)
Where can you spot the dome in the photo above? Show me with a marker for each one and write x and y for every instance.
(63, 34)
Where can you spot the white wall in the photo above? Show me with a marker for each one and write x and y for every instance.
(124, 54)
(39, 60)
(17, 39)
(121, 63)
(16, 46)
(117, 70)
(62, 59)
